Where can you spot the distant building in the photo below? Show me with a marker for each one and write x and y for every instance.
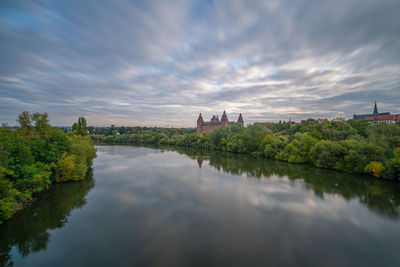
(309, 121)
(210, 126)
(377, 117)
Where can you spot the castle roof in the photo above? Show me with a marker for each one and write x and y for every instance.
(214, 118)
(211, 123)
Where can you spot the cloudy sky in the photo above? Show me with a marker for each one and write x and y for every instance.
(160, 63)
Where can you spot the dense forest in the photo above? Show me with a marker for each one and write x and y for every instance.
(35, 155)
(348, 146)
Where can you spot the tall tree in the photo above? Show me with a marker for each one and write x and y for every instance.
(41, 122)
(24, 119)
(80, 127)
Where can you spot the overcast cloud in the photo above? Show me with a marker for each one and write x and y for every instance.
(160, 63)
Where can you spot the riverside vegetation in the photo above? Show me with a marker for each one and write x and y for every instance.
(50, 225)
(348, 146)
(36, 155)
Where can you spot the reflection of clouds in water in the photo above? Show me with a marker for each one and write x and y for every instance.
(179, 210)
(125, 151)
(161, 209)
(176, 183)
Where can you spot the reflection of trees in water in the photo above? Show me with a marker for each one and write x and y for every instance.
(29, 230)
(381, 197)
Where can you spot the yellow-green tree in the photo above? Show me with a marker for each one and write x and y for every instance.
(375, 168)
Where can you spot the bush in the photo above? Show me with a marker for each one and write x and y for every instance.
(326, 154)
(273, 145)
(375, 168)
(73, 164)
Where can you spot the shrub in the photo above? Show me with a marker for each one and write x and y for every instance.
(375, 168)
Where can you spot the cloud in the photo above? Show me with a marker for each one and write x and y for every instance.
(162, 62)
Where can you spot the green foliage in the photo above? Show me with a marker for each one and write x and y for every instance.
(357, 154)
(34, 155)
(346, 146)
(40, 122)
(395, 163)
(274, 144)
(375, 168)
(66, 168)
(326, 154)
(291, 153)
(384, 135)
(360, 127)
(33, 178)
(74, 163)
(297, 151)
(24, 119)
(80, 127)
(8, 195)
(240, 143)
(28, 236)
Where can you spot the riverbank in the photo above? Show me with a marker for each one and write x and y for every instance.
(182, 206)
(35, 156)
(351, 147)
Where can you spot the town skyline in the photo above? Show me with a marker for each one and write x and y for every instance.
(290, 119)
(161, 63)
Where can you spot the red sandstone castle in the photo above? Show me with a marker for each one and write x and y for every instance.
(203, 127)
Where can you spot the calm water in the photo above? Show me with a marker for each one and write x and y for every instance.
(157, 207)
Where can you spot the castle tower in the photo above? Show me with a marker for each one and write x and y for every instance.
(224, 119)
(199, 123)
(240, 119)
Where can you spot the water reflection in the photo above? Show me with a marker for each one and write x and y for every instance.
(29, 230)
(184, 207)
(382, 197)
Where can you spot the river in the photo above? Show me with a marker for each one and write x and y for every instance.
(144, 206)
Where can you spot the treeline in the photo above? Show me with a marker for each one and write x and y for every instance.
(378, 195)
(112, 130)
(352, 147)
(35, 155)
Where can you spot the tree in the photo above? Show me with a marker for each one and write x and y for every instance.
(274, 144)
(375, 168)
(396, 162)
(326, 154)
(41, 122)
(32, 156)
(24, 120)
(80, 127)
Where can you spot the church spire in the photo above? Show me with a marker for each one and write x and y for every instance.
(375, 110)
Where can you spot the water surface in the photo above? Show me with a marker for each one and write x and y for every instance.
(160, 207)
